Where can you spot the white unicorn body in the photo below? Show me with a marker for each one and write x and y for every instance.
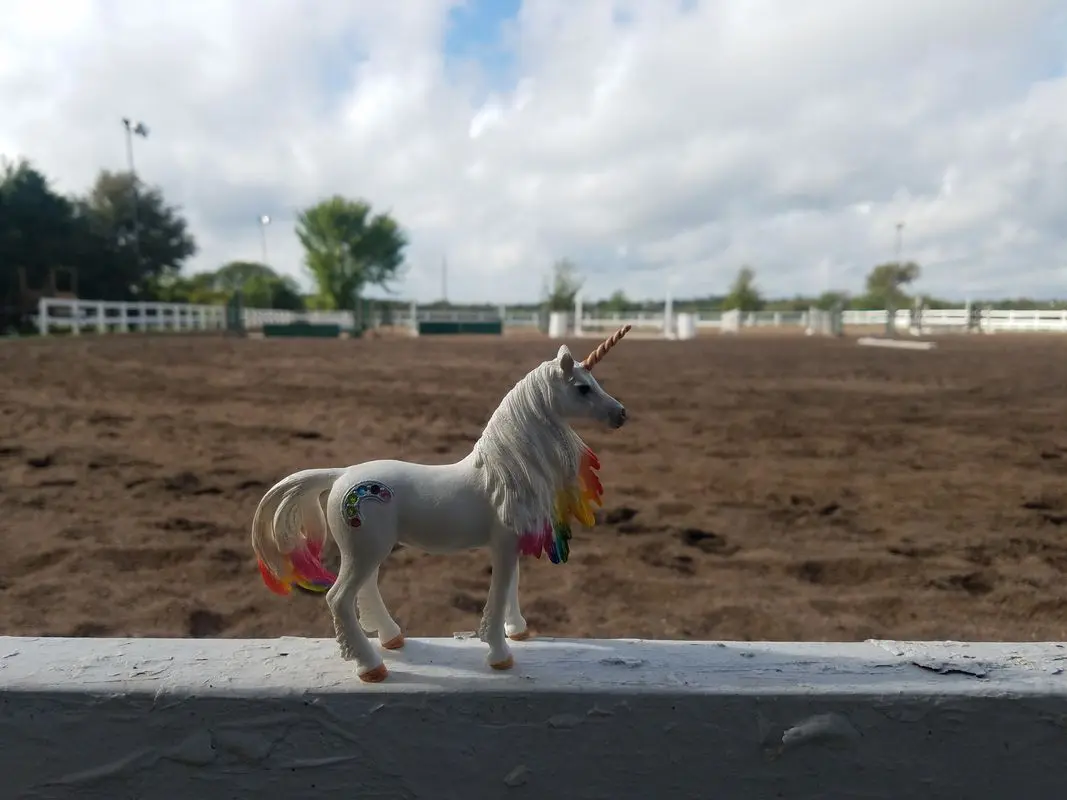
(505, 488)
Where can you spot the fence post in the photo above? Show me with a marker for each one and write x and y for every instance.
(668, 315)
(42, 316)
(235, 314)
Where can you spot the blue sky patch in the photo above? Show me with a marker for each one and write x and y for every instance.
(478, 31)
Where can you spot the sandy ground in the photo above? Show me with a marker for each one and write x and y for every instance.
(765, 488)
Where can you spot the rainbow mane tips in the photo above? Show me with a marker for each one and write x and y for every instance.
(572, 502)
(304, 571)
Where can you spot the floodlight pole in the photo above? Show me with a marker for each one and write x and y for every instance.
(140, 129)
(264, 221)
(891, 310)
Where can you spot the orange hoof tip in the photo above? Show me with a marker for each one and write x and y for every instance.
(521, 636)
(395, 643)
(376, 675)
(507, 663)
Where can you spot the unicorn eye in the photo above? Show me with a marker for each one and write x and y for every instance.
(584, 388)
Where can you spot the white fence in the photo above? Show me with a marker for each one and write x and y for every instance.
(78, 316)
(933, 320)
(104, 316)
(98, 719)
(659, 321)
(1051, 321)
(256, 318)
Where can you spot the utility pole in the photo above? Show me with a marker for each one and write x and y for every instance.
(444, 278)
(132, 129)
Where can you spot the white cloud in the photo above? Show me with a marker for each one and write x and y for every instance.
(641, 139)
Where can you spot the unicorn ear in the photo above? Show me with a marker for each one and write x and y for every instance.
(565, 359)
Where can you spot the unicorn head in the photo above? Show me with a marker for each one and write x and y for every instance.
(577, 393)
(528, 450)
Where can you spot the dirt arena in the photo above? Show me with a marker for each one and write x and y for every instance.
(764, 488)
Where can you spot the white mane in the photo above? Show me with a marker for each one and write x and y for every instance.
(527, 451)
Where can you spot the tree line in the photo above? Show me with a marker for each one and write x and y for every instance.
(886, 286)
(122, 240)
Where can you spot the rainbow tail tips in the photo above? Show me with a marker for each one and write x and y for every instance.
(304, 571)
(553, 538)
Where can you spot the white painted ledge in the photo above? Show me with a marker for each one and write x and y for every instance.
(286, 718)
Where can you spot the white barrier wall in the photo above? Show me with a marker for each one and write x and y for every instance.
(558, 324)
(687, 325)
(287, 718)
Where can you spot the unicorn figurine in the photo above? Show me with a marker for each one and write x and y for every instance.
(527, 477)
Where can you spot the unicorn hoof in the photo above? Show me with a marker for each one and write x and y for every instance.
(507, 663)
(395, 643)
(376, 675)
(520, 636)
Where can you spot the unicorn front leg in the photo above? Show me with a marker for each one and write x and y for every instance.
(505, 558)
(514, 622)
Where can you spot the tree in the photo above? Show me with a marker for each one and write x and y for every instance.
(884, 284)
(566, 283)
(617, 303)
(832, 299)
(318, 302)
(37, 227)
(198, 289)
(92, 235)
(260, 286)
(107, 252)
(347, 248)
(743, 296)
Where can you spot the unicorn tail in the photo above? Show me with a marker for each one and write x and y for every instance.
(285, 557)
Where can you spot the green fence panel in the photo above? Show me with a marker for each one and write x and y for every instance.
(443, 328)
(303, 329)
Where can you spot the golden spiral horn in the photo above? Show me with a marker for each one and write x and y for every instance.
(594, 358)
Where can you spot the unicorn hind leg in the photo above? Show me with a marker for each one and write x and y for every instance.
(514, 622)
(375, 617)
(354, 644)
(362, 548)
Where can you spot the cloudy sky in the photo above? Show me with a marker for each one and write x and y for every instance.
(650, 142)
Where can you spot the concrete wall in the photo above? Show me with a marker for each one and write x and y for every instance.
(286, 718)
